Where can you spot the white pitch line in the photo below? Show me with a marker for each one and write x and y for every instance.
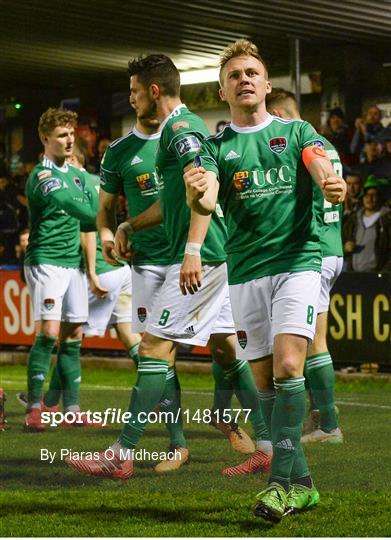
(206, 393)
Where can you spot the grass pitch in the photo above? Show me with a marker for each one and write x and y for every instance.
(42, 499)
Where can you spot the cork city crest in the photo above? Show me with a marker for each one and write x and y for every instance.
(242, 180)
(49, 303)
(278, 145)
(242, 338)
(141, 314)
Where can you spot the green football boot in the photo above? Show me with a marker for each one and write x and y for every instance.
(301, 498)
(272, 503)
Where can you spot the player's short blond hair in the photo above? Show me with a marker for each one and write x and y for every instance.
(53, 118)
(241, 47)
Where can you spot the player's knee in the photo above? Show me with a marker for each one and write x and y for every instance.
(290, 367)
(48, 335)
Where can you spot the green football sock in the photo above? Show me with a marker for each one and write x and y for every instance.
(319, 371)
(223, 390)
(287, 425)
(146, 394)
(53, 395)
(241, 377)
(38, 367)
(69, 370)
(133, 353)
(300, 468)
(267, 400)
(171, 403)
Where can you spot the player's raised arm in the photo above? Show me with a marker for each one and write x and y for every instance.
(201, 190)
(321, 169)
(80, 208)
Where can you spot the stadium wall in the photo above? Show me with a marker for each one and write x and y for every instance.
(359, 329)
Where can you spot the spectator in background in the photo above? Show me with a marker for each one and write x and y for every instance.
(9, 223)
(367, 232)
(340, 135)
(354, 188)
(93, 164)
(20, 250)
(373, 163)
(370, 125)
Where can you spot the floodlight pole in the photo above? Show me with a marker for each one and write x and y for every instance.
(294, 49)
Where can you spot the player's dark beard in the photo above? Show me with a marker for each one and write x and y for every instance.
(149, 116)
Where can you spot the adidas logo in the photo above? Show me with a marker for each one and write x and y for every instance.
(286, 444)
(190, 331)
(136, 160)
(231, 155)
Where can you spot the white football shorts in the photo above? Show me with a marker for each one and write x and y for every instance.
(331, 268)
(147, 281)
(282, 304)
(57, 293)
(115, 307)
(192, 318)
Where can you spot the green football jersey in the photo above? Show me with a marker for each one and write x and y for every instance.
(129, 165)
(329, 215)
(181, 138)
(268, 197)
(92, 187)
(58, 203)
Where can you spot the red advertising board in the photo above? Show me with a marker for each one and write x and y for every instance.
(17, 321)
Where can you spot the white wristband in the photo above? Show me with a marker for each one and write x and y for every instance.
(192, 248)
(127, 227)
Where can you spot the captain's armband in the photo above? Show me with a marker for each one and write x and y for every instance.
(313, 152)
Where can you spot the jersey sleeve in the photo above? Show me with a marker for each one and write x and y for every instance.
(92, 200)
(208, 157)
(110, 178)
(58, 193)
(309, 136)
(183, 140)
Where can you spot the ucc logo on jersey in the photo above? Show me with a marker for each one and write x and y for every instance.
(242, 180)
(242, 338)
(144, 181)
(78, 183)
(278, 145)
(141, 314)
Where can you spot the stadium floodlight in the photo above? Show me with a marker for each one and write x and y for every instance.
(196, 76)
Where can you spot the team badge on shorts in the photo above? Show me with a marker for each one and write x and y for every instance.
(242, 338)
(141, 314)
(49, 303)
(78, 183)
(242, 180)
(278, 145)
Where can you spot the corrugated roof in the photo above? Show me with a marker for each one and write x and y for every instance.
(62, 42)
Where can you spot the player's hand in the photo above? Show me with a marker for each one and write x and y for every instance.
(349, 246)
(196, 184)
(190, 278)
(109, 253)
(334, 189)
(122, 246)
(95, 286)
